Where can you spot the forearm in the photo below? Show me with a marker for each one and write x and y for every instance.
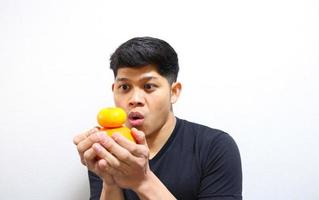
(111, 193)
(153, 189)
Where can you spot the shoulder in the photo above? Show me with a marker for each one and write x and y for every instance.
(202, 133)
(218, 158)
(209, 144)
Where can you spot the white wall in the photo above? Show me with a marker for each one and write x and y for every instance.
(248, 67)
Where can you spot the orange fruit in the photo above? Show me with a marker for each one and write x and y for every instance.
(124, 131)
(112, 120)
(111, 117)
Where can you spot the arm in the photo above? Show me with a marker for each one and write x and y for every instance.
(127, 163)
(153, 188)
(100, 190)
(111, 192)
(222, 174)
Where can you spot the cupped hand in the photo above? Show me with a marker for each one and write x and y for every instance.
(88, 156)
(122, 159)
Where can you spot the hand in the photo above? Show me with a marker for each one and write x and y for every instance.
(88, 157)
(124, 160)
(84, 145)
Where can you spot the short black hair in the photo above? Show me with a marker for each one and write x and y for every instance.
(142, 51)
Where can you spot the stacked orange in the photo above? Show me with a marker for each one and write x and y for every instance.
(112, 120)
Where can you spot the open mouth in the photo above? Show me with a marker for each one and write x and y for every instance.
(135, 118)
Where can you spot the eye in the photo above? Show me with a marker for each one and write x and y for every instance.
(124, 87)
(149, 87)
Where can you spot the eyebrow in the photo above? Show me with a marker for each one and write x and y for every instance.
(145, 78)
(121, 79)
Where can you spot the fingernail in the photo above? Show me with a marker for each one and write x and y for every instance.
(139, 134)
(97, 147)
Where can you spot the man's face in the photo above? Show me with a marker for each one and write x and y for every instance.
(145, 95)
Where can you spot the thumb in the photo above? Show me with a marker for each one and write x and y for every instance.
(139, 136)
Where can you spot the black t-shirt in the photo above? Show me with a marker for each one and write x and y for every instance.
(197, 162)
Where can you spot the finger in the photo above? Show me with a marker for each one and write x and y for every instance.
(123, 141)
(88, 142)
(79, 141)
(89, 158)
(78, 138)
(107, 177)
(139, 136)
(102, 153)
(104, 166)
(135, 149)
(111, 146)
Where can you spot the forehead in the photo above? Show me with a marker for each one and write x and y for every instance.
(137, 73)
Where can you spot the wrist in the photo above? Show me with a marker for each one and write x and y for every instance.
(153, 188)
(144, 186)
(108, 186)
(111, 192)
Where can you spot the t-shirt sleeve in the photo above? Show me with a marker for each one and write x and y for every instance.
(222, 173)
(96, 185)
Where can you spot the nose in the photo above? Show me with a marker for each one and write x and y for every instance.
(137, 98)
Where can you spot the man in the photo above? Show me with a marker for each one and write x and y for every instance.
(173, 158)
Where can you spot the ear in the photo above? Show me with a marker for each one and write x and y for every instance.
(176, 89)
(113, 87)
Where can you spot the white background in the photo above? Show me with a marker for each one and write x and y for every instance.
(248, 67)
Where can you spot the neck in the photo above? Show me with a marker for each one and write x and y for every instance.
(156, 141)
